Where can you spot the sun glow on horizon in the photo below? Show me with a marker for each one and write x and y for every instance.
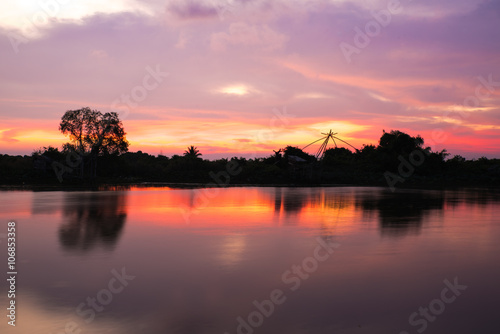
(230, 138)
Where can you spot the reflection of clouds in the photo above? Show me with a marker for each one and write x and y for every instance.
(49, 203)
(232, 249)
(203, 283)
(91, 219)
(38, 318)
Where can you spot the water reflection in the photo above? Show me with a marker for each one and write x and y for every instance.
(294, 200)
(92, 219)
(401, 212)
(398, 213)
(200, 277)
(478, 197)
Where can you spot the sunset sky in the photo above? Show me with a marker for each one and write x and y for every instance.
(244, 77)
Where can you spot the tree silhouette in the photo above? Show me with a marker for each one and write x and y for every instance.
(399, 142)
(337, 155)
(297, 152)
(192, 152)
(93, 133)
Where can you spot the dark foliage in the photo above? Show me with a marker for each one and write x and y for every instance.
(403, 157)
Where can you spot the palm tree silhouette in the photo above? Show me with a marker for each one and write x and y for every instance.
(192, 152)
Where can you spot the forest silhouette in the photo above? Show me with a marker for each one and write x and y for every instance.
(97, 153)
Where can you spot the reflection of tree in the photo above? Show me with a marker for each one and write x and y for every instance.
(401, 212)
(334, 200)
(290, 200)
(473, 197)
(293, 201)
(278, 199)
(331, 201)
(289, 203)
(92, 218)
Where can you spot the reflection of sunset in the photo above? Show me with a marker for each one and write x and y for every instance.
(244, 138)
(333, 210)
(234, 208)
(39, 316)
(236, 247)
(232, 249)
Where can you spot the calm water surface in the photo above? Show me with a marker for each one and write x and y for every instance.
(333, 260)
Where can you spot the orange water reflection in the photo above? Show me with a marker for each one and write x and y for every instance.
(396, 249)
(232, 208)
(345, 209)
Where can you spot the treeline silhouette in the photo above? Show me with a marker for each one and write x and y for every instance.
(398, 160)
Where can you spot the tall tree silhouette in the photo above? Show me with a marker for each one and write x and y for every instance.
(395, 145)
(92, 133)
(400, 142)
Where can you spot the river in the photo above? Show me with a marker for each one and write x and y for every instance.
(253, 260)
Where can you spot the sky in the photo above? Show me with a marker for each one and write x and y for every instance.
(246, 77)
